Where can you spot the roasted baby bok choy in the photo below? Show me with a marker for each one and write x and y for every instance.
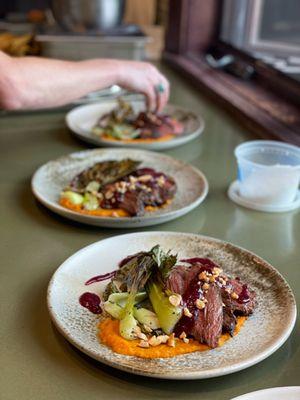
(137, 296)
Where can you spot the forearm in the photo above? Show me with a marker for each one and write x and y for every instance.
(33, 82)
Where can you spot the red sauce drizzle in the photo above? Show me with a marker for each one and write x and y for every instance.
(100, 278)
(244, 296)
(91, 301)
(185, 324)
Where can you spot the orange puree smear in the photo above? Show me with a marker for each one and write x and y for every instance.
(103, 212)
(100, 212)
(109, 335)
(148, 140)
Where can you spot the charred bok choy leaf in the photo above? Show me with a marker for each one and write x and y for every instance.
(167, 314)
(140, 269)
(103, 173)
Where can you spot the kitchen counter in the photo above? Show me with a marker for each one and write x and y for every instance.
(37, 362)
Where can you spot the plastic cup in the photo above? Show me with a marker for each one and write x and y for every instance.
(268, 172)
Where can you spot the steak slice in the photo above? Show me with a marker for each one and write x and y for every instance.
(246, 301)
(208, 326)
(132, 202)
(229, 321)
(181, 277)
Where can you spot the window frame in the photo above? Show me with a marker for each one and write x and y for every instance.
(193, 28)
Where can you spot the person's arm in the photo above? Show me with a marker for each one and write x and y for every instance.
(32, 82)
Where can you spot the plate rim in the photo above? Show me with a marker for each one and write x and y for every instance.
(263, 391)
(180, 375)
(57, 208)
(177, 141)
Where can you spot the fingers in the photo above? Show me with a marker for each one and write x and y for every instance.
(145, 78)
(151, 98)
(162, 97)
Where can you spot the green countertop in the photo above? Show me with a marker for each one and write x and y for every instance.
(36, 362)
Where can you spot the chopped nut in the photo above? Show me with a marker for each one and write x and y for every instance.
(222, 281)
(182, 335)
(132, 179)
(205, 286)
(200, 304)
(234, 295)
(175, 299)
(154, 341)
(161, 181)
(137, 330)
(216, 271)
(142, 336)
(186, 340)
(163, 338)
(145, 178)
(147, 328)
(109, 194)
(202, 276)
(212, 279)
(171, 341)
(144, 344)
(187, 312)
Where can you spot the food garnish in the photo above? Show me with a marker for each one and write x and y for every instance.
(155, 302)
(118, 189)
(122, 123)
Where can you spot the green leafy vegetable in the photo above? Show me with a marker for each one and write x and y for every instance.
(146, 317)
(90, 202)
(116, 303)
(73, 197)
(103, 173)
(167, 314)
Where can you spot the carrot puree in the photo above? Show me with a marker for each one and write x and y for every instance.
(103, 212)
(148, 140)
(109, 335)
(100, 212)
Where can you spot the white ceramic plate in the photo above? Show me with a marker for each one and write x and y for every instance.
(50, 179)
(82, 119)
(278, 393)
(262, 334)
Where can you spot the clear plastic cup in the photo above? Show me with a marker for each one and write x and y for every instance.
(268, 172)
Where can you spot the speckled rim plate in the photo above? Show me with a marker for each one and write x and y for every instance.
(50, 179)
(82, 119)
(282, 393)
(263, 333)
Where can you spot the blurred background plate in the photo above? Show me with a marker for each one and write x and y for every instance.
(82, 119)
(50, 179)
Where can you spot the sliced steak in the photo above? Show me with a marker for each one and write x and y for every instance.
(176, 281)
(229, 321)
(246, 301)
(208, 326)
(132, 202)
(181, 277)
(204, 325)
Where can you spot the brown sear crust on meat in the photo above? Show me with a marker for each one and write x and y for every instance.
(229, 321)
(208, 326)
(239, 306)
(180, 278)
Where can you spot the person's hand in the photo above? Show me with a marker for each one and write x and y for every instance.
(144, 78)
